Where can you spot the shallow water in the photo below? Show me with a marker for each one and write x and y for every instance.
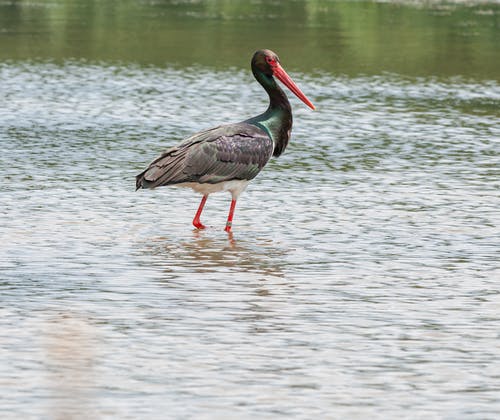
(361, 279)
(362, 275)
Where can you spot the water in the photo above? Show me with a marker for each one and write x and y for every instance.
(451, 38)
(361, 278)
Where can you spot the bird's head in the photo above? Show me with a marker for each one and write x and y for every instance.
(268, 63)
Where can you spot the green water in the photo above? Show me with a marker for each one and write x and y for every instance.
(352, 38)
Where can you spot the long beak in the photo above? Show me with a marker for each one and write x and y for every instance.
(281, 74)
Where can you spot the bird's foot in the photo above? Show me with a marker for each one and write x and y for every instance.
(198, 225)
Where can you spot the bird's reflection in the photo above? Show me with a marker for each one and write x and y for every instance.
(209, 268)
(213, 251)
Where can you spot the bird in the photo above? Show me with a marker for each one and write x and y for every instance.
(228, 157)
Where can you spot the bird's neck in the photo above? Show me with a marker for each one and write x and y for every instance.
(277, 119)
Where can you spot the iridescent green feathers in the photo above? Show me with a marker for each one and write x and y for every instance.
(277, 119)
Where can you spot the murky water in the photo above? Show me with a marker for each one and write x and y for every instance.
(361, 279)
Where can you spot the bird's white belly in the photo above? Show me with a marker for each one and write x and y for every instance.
(235, 187)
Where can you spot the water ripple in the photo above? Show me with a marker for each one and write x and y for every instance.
(361, 277)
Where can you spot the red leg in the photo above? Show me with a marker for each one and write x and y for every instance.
(229, 222)
(196, 221)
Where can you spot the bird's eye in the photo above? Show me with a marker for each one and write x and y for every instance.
(271, 61)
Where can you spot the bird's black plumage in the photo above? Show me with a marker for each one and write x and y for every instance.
(224, 153)
(225, 158)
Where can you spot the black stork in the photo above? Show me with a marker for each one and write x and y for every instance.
(227, 157)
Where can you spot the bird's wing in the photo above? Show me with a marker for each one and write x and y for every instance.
(224, 153)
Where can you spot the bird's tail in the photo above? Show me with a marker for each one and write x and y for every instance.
(140, 181)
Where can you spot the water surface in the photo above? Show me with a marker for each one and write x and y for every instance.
(361, 279)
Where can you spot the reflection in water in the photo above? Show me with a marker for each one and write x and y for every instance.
(213, 270)
(210, 251)
(348, 37)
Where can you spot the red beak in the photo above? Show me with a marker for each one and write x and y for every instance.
(281, 74)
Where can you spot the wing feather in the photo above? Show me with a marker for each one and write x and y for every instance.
(224, 153)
